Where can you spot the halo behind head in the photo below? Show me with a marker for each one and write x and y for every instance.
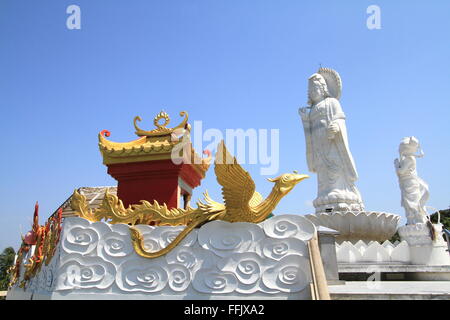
(333, 81)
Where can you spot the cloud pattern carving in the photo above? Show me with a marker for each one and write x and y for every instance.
(219, 258)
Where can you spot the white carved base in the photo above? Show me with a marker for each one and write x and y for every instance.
(220, 260)
(355, 226)
(374, 252)
(423, 250)
(342, 201)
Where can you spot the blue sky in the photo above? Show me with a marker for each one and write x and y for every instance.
(232, 64)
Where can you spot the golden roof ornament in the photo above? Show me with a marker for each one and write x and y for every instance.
(156, 144)
(161, 128)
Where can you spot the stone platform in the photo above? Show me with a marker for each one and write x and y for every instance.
(394, 272)
(391, 290)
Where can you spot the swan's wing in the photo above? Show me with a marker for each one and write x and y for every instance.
(256, 199)
(237, 184)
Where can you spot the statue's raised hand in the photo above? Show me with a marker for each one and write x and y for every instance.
(304, 113)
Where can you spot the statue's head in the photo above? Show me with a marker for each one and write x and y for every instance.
(317, 89)
(286, 182)
(409, 146)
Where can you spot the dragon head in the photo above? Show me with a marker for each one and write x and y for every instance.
(286, 182)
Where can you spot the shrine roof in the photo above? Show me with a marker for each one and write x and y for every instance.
(156, 144)
(140, 147)
(94, 198)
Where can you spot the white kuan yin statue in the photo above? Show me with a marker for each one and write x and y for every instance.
(327, 150)
(414, 190)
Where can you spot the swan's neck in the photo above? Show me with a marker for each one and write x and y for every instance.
(266, 207)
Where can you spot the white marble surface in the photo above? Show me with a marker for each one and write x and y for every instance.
(373, 252)
(423, 249)
(395, 290)
(219, 260)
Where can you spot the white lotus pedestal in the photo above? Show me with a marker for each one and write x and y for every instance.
(423, 250)
(220, 260)
(357, 226)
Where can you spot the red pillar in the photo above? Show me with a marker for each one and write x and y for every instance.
(152, 180)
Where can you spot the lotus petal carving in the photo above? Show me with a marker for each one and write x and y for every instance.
(355, 226)
(374, 252)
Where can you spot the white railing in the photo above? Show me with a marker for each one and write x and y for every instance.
(373, 252)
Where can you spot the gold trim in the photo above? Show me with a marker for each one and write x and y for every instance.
(120, 145)
(113, 211)
(139, 158)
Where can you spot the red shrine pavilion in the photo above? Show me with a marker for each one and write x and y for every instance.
(160, 165)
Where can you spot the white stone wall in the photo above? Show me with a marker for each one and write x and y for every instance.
(219, 260)
(373, 252)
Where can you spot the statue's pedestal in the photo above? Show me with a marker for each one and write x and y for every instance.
(423, 250)
(361, 225)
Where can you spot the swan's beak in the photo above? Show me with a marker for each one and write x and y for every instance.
(294, 179)
(300, 177)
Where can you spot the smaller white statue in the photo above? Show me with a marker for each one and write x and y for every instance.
(414, 190)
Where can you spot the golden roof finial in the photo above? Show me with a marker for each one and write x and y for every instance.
(161, 128)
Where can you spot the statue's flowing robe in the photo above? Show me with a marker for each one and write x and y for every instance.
(414, 191)
(330, 158)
